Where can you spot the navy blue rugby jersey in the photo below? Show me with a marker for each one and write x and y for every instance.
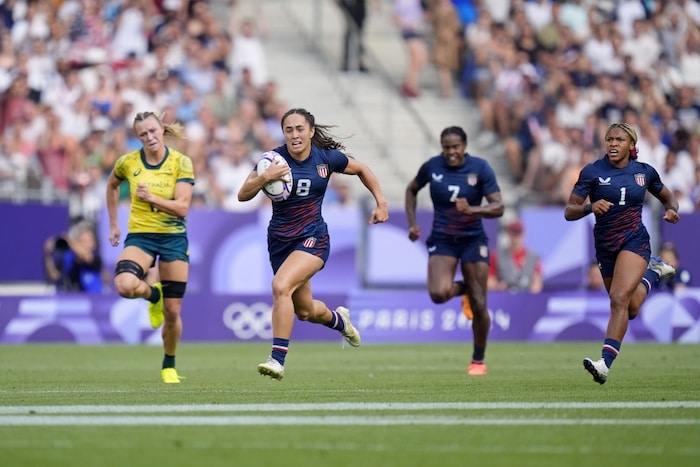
(625, 188)
(300, 215)
(474, 180)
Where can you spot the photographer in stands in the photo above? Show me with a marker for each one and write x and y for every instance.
(72, 262)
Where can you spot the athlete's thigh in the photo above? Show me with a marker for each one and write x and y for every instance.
(297, 269)
(177, 271)
(441, 269)
(137, 255)
(629, 270)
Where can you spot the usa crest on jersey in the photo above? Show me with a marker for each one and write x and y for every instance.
(484, 251)
(472, 179)
(322, 170)
(641, 179)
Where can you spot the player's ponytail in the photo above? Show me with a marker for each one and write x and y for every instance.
(322, 136)
(174, 129)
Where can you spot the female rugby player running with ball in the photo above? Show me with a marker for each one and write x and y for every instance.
(298, 241)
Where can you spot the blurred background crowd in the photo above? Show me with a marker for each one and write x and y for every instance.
(547, 77)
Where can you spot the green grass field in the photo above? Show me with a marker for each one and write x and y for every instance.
(378, 405)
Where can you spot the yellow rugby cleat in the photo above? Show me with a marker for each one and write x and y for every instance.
(155, 310)
(170, 376)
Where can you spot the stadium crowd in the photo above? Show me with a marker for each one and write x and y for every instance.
(548, 77)
(74, 73)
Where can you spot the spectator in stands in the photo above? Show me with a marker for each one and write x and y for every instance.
(446, 45)
(14, 168)
(682, 278)
(459, 183)
(476, 77)
(231, 170)
(626, 13)
(599, 49)
(189, 105)
(688, 108)
(409, 17)
(538, 13)
(57, 153)
(515, 267)
(248, 53)
(130, 29)
(72, 261)
(510, 88)
(222, 98)
(354, 12)
(339, 194)
(521, 147)
(695, 189)
(198, 65)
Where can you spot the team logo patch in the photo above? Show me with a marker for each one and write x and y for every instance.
(310, 242)
(641, 179)
(484, 251)
(472, 179)
(322, 170)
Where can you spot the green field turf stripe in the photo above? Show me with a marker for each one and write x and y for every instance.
(77, 420)
(343, 406)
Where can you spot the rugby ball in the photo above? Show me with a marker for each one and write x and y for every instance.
(277, 190)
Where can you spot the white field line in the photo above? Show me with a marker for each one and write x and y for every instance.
(121, 415)
(341, 407)
(369, 420)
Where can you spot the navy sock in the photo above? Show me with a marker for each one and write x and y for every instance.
(461, 288)
(335, 322)
(478, 355)
(611, 348)
(155, 295)
(169, 361)
(650, 279)
(279, 349)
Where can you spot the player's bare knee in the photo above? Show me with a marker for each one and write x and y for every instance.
(478, 303)
(619, 301)
(438, 297)
(280, 288)
(303, 314)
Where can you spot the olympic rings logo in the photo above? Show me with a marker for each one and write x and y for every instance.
(249, 322)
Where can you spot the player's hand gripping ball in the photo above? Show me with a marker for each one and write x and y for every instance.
(276, 190)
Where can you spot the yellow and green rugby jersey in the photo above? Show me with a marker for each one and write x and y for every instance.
(160, 180)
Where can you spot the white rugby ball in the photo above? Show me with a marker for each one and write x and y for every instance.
(277, 190)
